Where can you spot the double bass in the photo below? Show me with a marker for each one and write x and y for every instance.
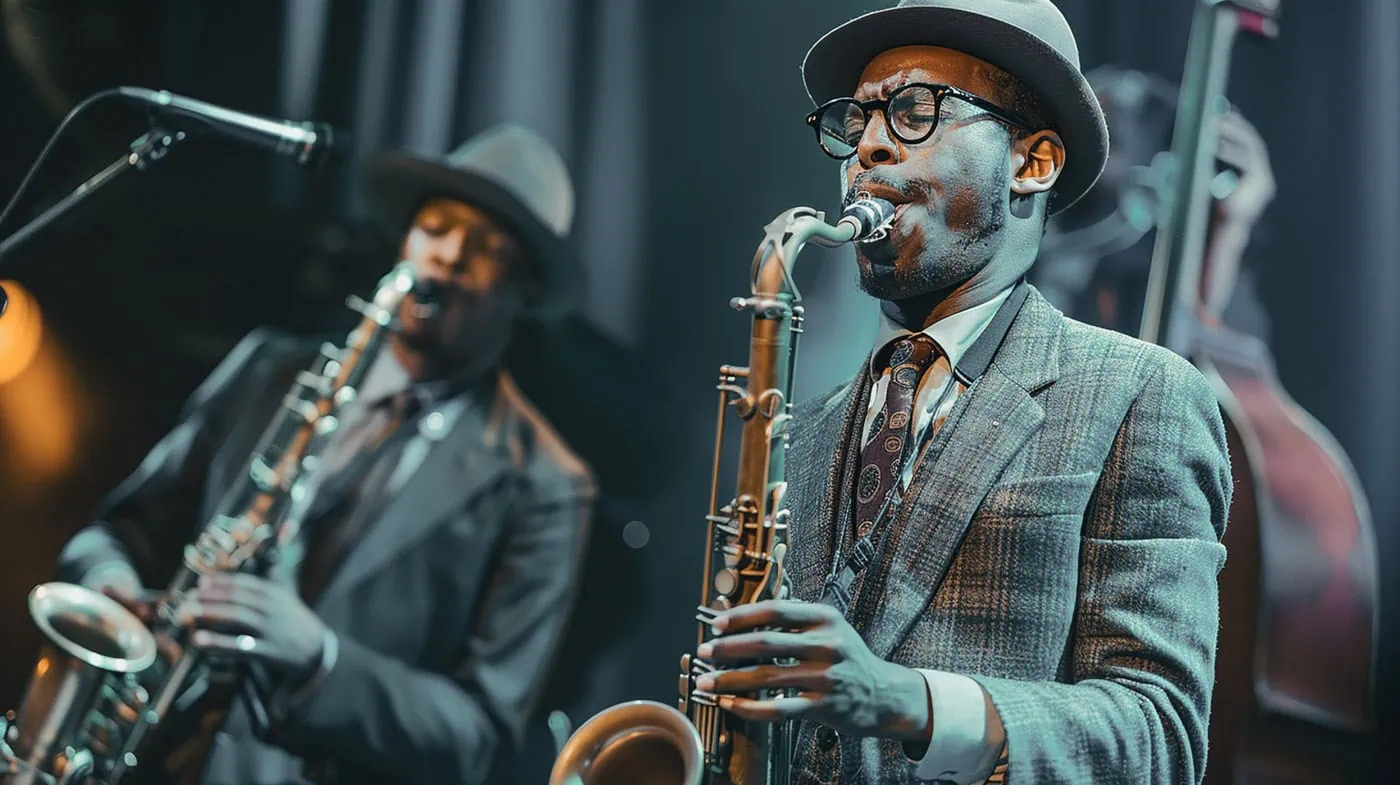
(1298, 592)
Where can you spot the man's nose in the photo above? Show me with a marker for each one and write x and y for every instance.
(877, 146)
(445, 253)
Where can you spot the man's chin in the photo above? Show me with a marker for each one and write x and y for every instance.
(882, 282)
(878, 263)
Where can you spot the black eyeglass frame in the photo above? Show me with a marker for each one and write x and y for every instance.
(940, 91)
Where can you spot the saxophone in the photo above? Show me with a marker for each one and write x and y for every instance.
(645, 741)
(99, 691)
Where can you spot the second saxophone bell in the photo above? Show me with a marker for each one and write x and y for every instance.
(635, 743)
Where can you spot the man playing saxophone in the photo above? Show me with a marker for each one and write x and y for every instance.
(1006, 526)
(410, 625)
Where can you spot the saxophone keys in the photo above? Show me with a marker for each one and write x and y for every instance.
(127, 714)
(326, 426)
(781, 518)
(358, 305)
(263, 475)
(314, 381)
(221, 541)
(727, 580)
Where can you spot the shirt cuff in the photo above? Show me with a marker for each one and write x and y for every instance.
(968, 737)
(288, 700)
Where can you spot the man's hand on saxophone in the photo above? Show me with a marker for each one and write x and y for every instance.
(841, 683)
(119, 580)
(253, 618)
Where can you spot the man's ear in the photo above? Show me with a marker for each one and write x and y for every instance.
(1037, 161)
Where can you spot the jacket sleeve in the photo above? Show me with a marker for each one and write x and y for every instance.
(375, 714)
(1147, 613)
(150, 516)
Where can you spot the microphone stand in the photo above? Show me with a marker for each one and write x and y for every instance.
(145, 150)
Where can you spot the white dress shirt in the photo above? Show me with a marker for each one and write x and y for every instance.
(967, 737)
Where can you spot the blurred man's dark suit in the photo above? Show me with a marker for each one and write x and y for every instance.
(449, 610)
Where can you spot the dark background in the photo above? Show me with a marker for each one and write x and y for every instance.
(682, 124)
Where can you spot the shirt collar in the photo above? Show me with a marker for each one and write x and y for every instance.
(387, 378)
(384, 379)
(953, 334)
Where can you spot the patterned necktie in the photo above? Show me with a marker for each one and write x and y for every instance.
(337, 514)
(882, 458)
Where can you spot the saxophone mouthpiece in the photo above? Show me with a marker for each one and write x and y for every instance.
(427, 298)
(870, 217)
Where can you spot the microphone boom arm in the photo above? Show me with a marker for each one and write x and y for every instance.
(150, 147)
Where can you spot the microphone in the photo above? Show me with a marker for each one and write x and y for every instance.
(869, 218)
(427, 298)
(305, 142)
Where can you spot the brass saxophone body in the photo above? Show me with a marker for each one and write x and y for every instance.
(99, 694)
(746, 543)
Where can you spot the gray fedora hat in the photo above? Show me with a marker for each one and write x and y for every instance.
(513, 174)
(1028, 39)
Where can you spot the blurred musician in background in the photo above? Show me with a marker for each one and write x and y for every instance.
(412, 626)
(1095, 257)
(1006, 526)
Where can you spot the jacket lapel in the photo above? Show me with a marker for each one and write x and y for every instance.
(818, 452)
(990, 423)
(440, 470)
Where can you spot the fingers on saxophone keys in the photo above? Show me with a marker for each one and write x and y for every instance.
(126, 700)
(200, 611)
(770, 644)
(807, 675)
(168, 647)
(788, 614)
(237, 645)
(707, 615)
(773, 710)
(103, 733)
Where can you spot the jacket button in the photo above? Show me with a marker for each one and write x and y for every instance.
(826, 738)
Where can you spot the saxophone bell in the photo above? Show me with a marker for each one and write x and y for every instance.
(90, 638)
(634, 743)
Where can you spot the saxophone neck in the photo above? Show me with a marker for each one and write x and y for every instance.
(776, 257)
(866, 219)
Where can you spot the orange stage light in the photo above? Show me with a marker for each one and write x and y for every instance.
(21, 331)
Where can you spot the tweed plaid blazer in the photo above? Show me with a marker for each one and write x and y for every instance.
(1059, 544)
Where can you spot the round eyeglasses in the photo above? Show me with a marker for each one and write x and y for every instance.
(911, 113)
